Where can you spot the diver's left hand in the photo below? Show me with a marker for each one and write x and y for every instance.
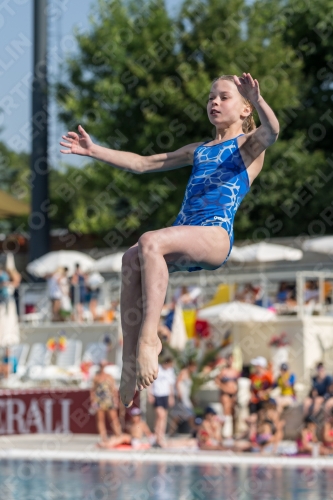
(248, 87)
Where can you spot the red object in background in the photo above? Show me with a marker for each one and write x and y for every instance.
(29, 308)
(202, 328)
(47, 411)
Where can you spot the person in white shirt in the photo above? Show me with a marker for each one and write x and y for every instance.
(161, 395)
(54, 292)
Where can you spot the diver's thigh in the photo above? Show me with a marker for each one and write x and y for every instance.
(183, 246)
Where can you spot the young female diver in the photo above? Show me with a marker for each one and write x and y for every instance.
(202, 234)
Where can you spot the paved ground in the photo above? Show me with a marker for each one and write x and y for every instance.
(82, 447)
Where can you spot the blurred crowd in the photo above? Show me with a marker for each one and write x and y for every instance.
(222, 425)
(285, 297)
(205, 393)
(75, 297)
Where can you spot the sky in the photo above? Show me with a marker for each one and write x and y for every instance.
(16, 60)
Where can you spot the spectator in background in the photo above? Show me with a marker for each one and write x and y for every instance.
(54, 291)
(65, 301)
(210, 431)
(188, 296)
(328, 432)
(320, 384)
(311, 402)
(283, 292)
(183, 410)
(163, 332)
(308, 437)
(8, 363)
(247, 294)
(328, 400)
(104, 401)
(15, 280)
(93, 282)
(161, 396)
(78, 292)
(261, 385)
(227, 382)
(138, 433)
(286, 294)
(270, 426)
(4, 282)
(311, 292)
(9, 321)
(285, 381)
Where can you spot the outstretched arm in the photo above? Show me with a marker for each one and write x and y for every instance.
(257, 141)
(84, 146)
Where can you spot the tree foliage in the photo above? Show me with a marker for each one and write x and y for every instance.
(15, 180)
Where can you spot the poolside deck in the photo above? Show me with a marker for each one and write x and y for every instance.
(83, 448)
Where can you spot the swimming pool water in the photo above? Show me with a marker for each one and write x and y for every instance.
(49, 480)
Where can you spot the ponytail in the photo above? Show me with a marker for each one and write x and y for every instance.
(249, 124)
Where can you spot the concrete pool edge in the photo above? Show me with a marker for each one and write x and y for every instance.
(176, 457)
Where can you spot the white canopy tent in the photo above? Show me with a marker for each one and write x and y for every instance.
(320, 245)
(50, 262)
(265, 252)
(232, 312)
(109, 263)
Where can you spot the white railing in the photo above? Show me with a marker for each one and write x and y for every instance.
(35, 304)
(36, 294)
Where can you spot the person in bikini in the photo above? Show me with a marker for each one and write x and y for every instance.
(202, 235)
(227, 382)
(269, 426)
(328, 434)
(138, 435)
(308, 437)
(104, 401)
(210, 432)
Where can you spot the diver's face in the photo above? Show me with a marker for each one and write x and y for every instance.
(225, 105)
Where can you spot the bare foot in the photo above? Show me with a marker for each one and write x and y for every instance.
(147, 362)
(128, 380)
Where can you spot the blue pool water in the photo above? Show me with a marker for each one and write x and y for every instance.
(48, 480)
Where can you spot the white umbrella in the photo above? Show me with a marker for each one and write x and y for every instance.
(109, 263)
(321, 245)
(237, 311)
(50, 262)
(265, 252)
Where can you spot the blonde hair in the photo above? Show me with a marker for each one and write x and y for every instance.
(248, 123)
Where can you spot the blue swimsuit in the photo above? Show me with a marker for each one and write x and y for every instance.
(218, 183)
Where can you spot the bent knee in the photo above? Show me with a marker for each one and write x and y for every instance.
(131, 265)
(130, 255)
(149, 242)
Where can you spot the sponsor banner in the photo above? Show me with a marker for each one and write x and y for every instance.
(46, 412)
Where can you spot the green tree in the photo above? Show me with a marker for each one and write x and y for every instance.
(140, 83)
(15, 180)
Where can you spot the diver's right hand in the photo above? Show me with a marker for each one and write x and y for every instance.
(77, 144)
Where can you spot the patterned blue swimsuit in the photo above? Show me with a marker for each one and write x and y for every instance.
(218, 183)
